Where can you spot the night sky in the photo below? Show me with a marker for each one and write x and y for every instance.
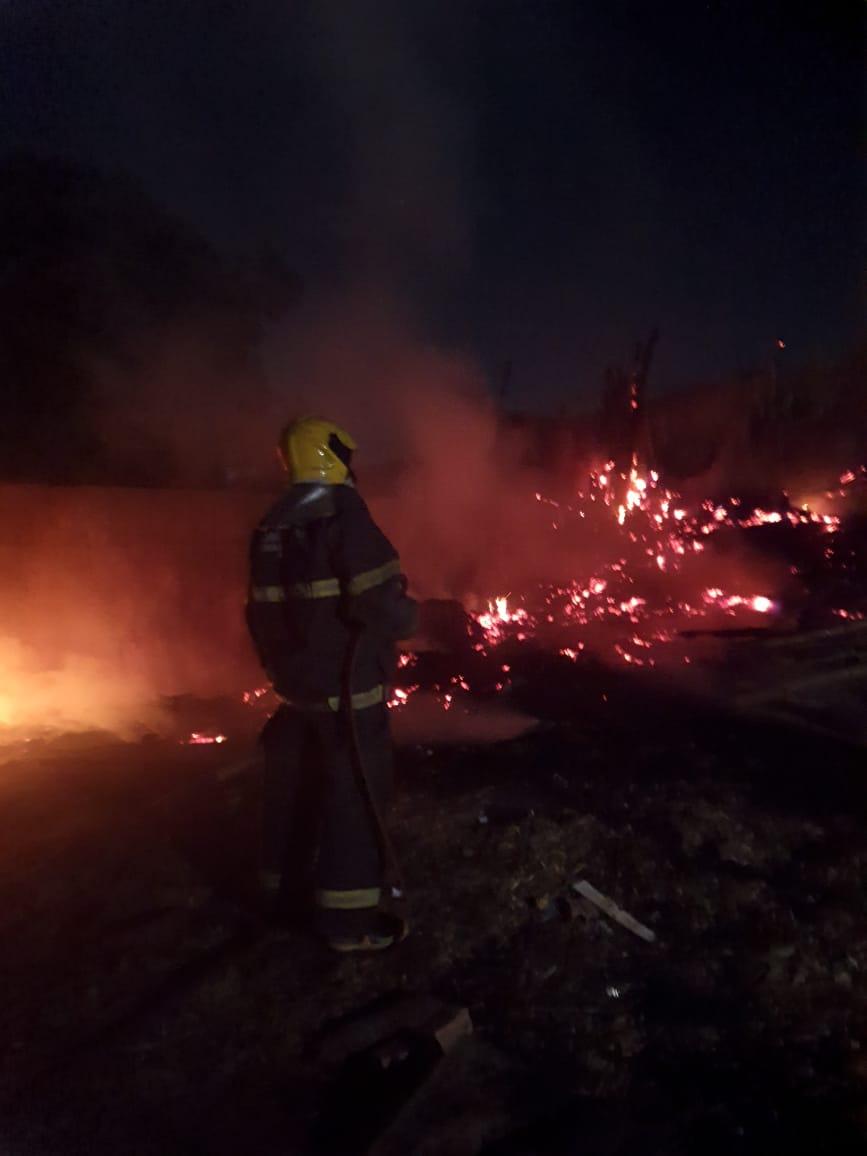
(537, 181)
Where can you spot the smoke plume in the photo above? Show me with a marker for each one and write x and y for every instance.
(115, 598)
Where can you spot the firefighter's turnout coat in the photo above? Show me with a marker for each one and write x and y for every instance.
(322, 576)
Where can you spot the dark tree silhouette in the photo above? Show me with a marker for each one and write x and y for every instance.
(100, 290)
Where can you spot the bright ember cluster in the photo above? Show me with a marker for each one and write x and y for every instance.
(655, 532)
(642, 549)
(631, 600)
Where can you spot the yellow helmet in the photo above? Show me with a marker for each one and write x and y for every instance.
(315, 450)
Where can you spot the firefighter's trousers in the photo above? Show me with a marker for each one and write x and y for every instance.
(318, 830)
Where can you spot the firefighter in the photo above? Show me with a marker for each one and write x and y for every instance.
(326, 605)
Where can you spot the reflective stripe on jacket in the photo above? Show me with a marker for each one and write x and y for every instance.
(320, 570)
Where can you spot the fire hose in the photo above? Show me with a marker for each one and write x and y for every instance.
(389, 863)
(387, 855)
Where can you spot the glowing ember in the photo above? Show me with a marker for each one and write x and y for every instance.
(655, 544)
(398, 698)
(572, 652)
(197, 739)
(497, 616)
(758, 602)
(656, 526)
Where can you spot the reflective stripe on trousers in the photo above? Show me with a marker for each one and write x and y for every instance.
(355, 900)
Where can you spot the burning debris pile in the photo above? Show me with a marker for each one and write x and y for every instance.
(656, 571)
(655, 576)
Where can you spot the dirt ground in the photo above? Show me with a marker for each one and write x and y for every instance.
(147, 1009)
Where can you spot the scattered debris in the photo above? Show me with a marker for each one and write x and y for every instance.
(815, 680)
(386, 1018)
(589, 892)
(752, 861)
(467, 1102)
(374, 1083)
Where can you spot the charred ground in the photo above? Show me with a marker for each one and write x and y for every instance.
(148, 1007)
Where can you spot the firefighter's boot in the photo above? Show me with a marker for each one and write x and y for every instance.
(385, 931)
